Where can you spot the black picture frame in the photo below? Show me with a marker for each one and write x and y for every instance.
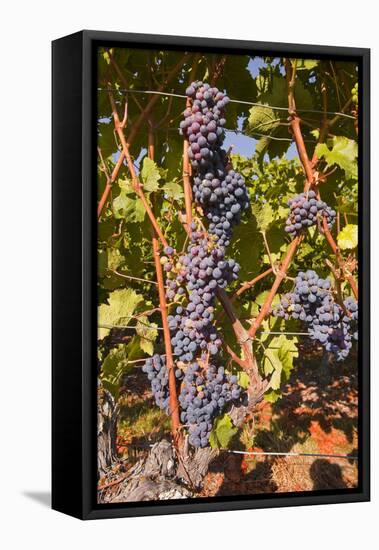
(74, 365)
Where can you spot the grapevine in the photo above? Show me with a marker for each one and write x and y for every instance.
(216, 272)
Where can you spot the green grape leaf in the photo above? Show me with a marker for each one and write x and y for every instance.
(244, 249)
(262, 120)
(148, 334)
(150, 175)
(114, 366)
(115, 258)
(263, 214)
(129, 208)
(173, 190)
(347, 238)
(222, 432)
(272, 396)
(118, 312)
(344, 153)
(261, 147)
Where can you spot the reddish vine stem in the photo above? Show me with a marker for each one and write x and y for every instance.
(243, 288)
(135, 128)
(291, 250)
(173, 400)
(109, 184)
(300, 146)
(244, 340)
(248, 284)
(135, 181)
(278, 279)
(341, 263)
(174, 406)
(328, 235)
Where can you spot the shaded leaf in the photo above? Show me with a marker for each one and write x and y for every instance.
(262, 120)
(264, 214)
(113, 367)
(222, 433)
(128, 208)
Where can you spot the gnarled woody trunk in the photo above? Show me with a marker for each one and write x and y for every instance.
(106, 430)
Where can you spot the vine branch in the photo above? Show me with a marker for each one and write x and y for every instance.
(135, 128)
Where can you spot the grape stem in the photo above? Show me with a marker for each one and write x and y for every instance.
(248, 284)
(281, 274)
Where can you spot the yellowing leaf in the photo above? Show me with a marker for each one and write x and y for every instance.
(307, 64)
(243, 379)
(348, 238)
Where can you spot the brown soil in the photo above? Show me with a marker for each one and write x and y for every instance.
(317, 414)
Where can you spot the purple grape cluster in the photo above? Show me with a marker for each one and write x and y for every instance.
(351, 307)
(203, 126)
(219, 190)
(156, 370)
(204, 395)
(312, 302)
(223, 200)
(193, 277)
(197, 275)
(304, 211)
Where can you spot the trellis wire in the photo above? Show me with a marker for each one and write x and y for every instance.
(240, 101)
(270, 453)
(236, 131)
(291, 454)
(161, 328)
